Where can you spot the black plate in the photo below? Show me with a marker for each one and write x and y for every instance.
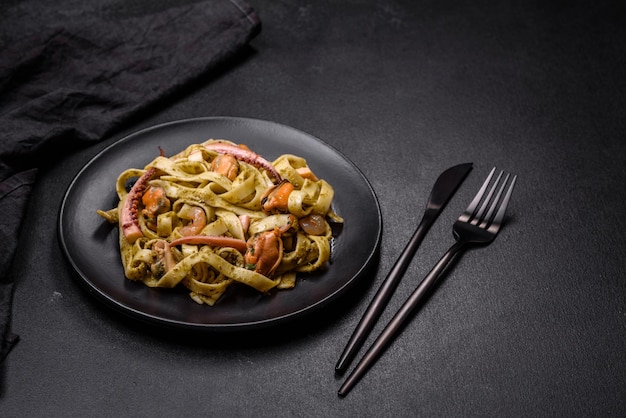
(91, 246)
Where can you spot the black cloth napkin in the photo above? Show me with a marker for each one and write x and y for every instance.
(72, 71)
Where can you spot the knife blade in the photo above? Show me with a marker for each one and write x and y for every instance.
(445, 186)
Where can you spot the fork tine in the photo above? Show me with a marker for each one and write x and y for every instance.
(480, 215)
(497, 220)
(471, 209)
(486, 220)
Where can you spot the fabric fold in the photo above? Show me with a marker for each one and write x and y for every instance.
(70, 75)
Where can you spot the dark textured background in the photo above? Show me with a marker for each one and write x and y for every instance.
(533, 325)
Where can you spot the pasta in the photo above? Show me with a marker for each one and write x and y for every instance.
(216, 214)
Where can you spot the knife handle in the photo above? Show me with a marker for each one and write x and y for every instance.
(399, 319)
(384, 293)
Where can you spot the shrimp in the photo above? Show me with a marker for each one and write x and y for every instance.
(197, 224)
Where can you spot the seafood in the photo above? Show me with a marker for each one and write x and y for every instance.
(155, 202)
(198, 222)
(313, 224)
(226, 165)
(265, 252)
(164, 258)
(128, 217)
(244, 154)
(306, 173)
(217, 213)
(276, 199)
(245, 223)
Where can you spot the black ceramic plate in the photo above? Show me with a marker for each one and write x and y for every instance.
(90, 244)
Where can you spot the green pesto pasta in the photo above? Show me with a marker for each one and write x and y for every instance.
(216, 214)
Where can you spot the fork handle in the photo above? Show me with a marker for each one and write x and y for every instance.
(384, 293)
(400, 319)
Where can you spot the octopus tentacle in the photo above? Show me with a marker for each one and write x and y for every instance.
(128, 218)
(245, 155)
(219, 241)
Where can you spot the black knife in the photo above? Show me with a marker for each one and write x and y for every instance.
(445, 186)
